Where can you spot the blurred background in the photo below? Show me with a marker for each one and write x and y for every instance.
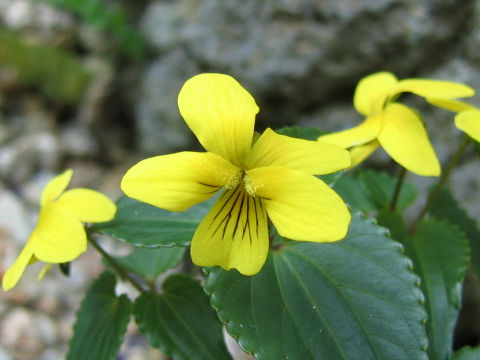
(92, 85)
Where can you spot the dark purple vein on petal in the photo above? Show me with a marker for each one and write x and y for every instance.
(239, 214)
(256, 216)
(229, 214)
(224, 221)
(224, 204)
(247, 222)
(209, 185)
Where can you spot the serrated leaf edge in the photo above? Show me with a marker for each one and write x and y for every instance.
(232, 328)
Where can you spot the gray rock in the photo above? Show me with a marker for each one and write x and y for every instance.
(295, 54)
(53, 354)
(76, 140)
(33, 188)
(19, 158)
(159, 123)
(29, 143)
(14, 222)
(45, 327)
(41, 20)
(471, 41)
(465, 184)
(336, 116)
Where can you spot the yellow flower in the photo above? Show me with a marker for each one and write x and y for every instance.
(59, 236)
(271, 177)
(397, 128)
(467, 119)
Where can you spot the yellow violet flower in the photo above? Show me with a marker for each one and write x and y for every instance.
(273, 176)
(59, 236)
(467, 119)
(397, 128)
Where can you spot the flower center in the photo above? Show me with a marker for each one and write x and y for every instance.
(241, 178)
(232, 179)
(250, 186)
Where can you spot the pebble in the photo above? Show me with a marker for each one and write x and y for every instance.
(14, 222)
(77, 141)
(19, 158)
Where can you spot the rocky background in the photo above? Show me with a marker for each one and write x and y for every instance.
(80, 91)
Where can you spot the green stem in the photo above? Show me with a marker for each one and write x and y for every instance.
(443, 179)
(118, 268)
(398, 187)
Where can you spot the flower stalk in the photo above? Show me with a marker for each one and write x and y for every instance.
(443, 179)
(398, 188)
(118, 268)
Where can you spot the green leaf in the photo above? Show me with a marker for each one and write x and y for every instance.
(149, 263)
(445, 206)
(181, 322)
(101, 322)
(352, 191)
(352, 299)
(331, 179)
(370, 190)
(440, 255)
(467, 353)
(144, 225)
(300, 133)
(380, 187)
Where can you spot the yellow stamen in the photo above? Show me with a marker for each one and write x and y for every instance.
(232, 179)
(250, 186)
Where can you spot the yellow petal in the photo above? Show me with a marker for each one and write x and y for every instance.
(469, 122)
(404, 138)
(59, 236)
(372, 92)
(44, 270)
(14, 273)
(360, 153)
(56, 186)
(87, 205)
(221, 113)
(452, 105)
(234, 234)
(312, 157)
(358, 135)
(301, 206)
(177, 181)
(434, 88)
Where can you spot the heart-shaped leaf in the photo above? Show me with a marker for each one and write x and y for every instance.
(445, 206)
(352, 299)
(101, 322)
(440, 255)
(181, 321)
